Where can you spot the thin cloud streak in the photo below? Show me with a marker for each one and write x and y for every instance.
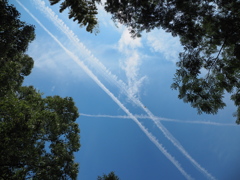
(120, 84)
(94, 78)
(159, 119)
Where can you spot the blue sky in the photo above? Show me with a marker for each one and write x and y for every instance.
(131, 121)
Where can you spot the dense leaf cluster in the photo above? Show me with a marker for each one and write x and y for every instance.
(15, 36)
(38, 135)
(82, 11)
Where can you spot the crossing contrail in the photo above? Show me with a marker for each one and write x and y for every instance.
(120, 84)
(115, 99)
(171, 138)
(61, 25)
(159, 119)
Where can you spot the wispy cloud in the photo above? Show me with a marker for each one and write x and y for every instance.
(131, 68)
(131, 62)
(53, 59)
(159, 119)
(99, 83)
(126, 42)
(162, 42)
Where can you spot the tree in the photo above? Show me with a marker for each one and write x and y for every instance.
(110, 176)
(38, 135)
(15, 36)
(209, 31)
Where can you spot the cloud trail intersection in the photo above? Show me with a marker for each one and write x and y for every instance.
(120, 84)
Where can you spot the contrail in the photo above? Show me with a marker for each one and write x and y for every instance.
(115, 99)
(159, 119)
(171, 138)
(85, 53)
(120, 84)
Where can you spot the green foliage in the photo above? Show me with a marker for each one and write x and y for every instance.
(15, 36)
(82, 11)
(38, 135)
(210, 64)
(110, 176)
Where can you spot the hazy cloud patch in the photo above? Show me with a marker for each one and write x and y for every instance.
(162, 42)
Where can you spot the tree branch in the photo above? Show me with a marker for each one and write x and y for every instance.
(216, 59)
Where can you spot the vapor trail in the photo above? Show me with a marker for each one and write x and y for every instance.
(85, 53)
(115, 99)
(122, 86)
(174, 141)
(159, 119)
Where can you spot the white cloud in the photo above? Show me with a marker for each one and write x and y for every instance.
(131, 67)
(164, 43)
(50, 59)
(126, 42)
(45, 54)
(132, 61)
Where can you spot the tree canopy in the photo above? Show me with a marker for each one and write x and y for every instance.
(39, 135)
(209, 31)
(15, 36)
(110, 176)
